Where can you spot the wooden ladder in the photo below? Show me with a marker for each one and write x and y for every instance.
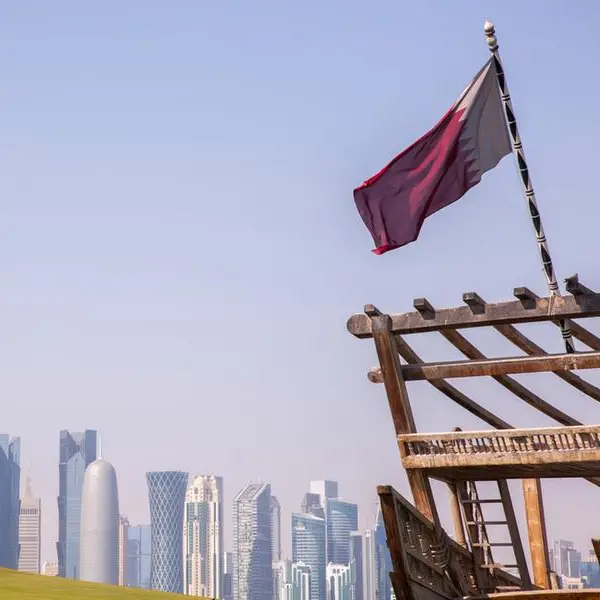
(479, 541)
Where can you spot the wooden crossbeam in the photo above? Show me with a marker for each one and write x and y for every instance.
(528, 309)
(501, 366)
(524, 343)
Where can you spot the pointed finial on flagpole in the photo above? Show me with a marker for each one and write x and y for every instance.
(490, 36)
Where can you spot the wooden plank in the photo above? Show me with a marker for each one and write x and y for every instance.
(401, 576)
(457, 520)
(411, 357)
(527, 345)
(513, 532)
(512, 385)
(524, 343)
(536, 528)
(399, 403)
(501, 366)
(489, 460)
(579, 332)
(502, 313)
(596, 546)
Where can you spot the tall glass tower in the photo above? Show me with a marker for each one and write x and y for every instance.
(10, 476)
(76, 451)
(308, 547)
(342, 519)
(166, 493)
(253, 570)
(139, 549)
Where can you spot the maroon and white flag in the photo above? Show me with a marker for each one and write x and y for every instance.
(439, 168)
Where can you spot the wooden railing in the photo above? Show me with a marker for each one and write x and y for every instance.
(464, 448)
(433, 560)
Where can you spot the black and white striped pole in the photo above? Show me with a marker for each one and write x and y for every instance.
(542, 243)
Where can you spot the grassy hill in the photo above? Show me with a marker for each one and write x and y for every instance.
(20, 586)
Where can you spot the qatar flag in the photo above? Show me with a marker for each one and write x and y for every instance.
(438, 168)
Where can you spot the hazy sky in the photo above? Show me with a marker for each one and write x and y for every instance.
(180, 251)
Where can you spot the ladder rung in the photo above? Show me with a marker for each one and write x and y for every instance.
(499, 566)
(487, 523)
(493, 544)
(482, 501)
(508, 588)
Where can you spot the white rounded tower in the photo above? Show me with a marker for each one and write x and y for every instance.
(99, 524)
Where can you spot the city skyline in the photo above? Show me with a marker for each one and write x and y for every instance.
(362, 572)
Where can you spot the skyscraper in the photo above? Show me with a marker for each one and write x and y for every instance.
(76, 451)
(166, 493)
(275, 529)
(139, 549)
(122, 550)
(291, 580)
(308, 547)
(383, 560)
(566, 558)
(342, 519)
(228, 576)
(356, 559)
(10, 483)
(203, 537)
(253, 576)
(324, 489)
(369, 566)
(311, 505)
(30, 531)
(99, 524)
(339, 582)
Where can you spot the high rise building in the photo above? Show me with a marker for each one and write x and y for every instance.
(369, 572)
(253, 576)
(342, 519)
(291, 580)
(139, 556)
(30, 531)
(566, 558)
(166, 492)
(311, 505)
(203, 537)
(324, 489)
(10, 483)
(122, 552)
(356, 560)
(228, 576)
(383, 560)
(99, 524)
(76, 452)
(308, 547)
(275, 529)
(339, 582)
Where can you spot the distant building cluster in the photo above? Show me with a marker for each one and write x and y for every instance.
(182, 549)
(574, 571)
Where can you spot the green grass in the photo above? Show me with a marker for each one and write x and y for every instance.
(21, 586)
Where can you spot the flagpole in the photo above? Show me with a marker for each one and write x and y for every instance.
(542, 243)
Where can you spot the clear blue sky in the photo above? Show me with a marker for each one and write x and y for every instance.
(179, 248)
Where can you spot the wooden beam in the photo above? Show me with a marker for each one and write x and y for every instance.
(501, 366)
(399, 402)
(596, 546)
(513, 532)
(524, 343)
(411, 357)
(401, 575)
(536, 528)
(579, 332)
(512, 385)
(502, 313)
